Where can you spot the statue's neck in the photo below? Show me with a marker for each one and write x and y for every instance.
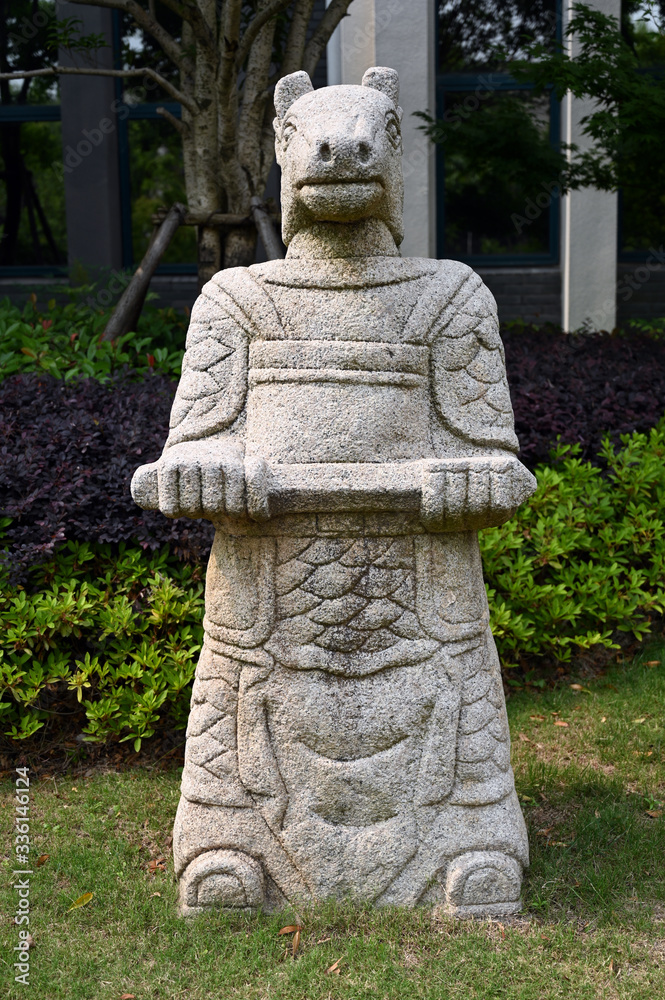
(366, 238)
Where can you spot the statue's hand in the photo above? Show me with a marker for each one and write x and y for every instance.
(203, 479)
(473, 493)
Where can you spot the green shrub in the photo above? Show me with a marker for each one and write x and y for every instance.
(120, 631)
(65, 340)
(585, 557)
(114, 633)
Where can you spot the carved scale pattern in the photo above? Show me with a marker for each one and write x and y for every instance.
(347, 595)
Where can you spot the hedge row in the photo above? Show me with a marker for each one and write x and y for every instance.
(107, 636)
(70, 446)
(68, 453)
(582, 388)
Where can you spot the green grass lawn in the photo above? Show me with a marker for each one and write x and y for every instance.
(593, 792)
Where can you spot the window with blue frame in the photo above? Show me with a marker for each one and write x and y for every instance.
(497, 141)
(32, 203)
(150, 150)
(33, 233)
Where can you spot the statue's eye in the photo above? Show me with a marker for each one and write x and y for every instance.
(393, 130)
(288, 131)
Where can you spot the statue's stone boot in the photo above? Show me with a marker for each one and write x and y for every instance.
(483, 883)
(221, 880)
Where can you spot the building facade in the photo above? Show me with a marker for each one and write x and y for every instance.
(547, 258)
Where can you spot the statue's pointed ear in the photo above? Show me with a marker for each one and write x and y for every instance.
(289, 89)
(384, 79)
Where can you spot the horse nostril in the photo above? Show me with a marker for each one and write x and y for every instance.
(364, 152)
(325, 152)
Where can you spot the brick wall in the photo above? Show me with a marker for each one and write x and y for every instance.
(532, 294)
(529, 293)
(640, 291)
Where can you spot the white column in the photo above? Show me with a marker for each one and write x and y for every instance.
(401, 34)
(90, 149)
(589, 220)
(334, 56)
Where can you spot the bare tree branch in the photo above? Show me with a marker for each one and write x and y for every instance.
(228, 90)
(92, 71)
(149, 24)
(178, 124)
(229, 35)
(273, 8)
(295, 43)
(190, 13)
(252, 112)
(317, 43)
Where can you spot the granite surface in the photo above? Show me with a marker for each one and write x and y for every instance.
(344, 419)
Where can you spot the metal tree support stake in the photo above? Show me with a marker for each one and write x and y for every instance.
(126, 314)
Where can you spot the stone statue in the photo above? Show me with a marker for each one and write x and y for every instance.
(344, 419)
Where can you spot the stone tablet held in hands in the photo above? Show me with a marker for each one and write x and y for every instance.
(344, 419)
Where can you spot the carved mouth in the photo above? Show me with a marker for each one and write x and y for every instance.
(341, 200)
(338, 181)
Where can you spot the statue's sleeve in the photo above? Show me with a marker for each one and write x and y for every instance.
(213, 385)
(470, 386)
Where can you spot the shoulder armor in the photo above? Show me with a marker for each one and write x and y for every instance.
(231, 309)
(468, 362)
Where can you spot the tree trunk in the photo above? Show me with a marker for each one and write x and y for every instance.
(240, 246)
(209, 257)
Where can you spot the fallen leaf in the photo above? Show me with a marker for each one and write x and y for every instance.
(81, 901)
(525, 798)
(296, 942)
(655, 813)
(543, 833)
(614, 968)
(524, 738)
(30, 941)
(324, 940)
(560, 722)
(537, 718)
(128, 996)
(638, 722)
(557, 843)
(155, 894)
(596, 814)
(158, 865)
(42, 859)
(653, 663)
(291, 929)
(578, 687)
(334, 968)
(604, 719)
